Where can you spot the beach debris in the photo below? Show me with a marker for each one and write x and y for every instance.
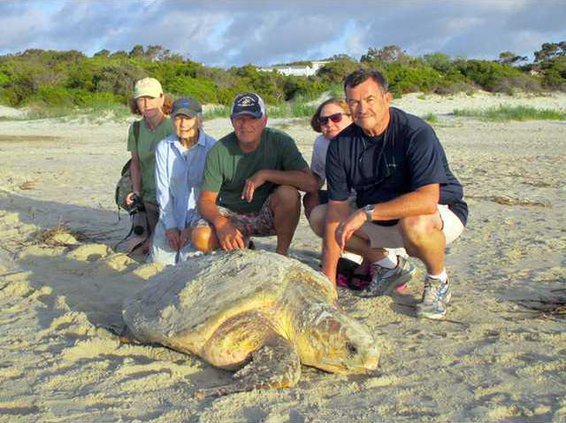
(60, 235)
(256, 312)
(549, 307)
(27, 185)
(508, 200)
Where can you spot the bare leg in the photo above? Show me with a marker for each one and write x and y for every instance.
(204, 239)
(423, 238)
(310, 201)
(286, 208)
(358, 244)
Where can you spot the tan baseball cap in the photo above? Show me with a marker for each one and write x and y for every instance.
(148, 87)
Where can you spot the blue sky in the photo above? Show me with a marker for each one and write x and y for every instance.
(262, 32)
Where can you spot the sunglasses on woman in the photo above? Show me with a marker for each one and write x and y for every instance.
(336, 117)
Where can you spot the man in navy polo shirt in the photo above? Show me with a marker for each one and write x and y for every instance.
(406, 195)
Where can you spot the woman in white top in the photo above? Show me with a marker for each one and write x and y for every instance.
(331, 117)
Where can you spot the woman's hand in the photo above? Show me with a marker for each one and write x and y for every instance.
(130, 198)
(185, 236)
(174, 238)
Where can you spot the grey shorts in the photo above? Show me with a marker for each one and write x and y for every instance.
(390, 237)
(252, 224)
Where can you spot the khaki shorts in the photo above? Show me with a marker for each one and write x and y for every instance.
(252, 224)
(390, 237)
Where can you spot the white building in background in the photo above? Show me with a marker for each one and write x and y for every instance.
(297, 70)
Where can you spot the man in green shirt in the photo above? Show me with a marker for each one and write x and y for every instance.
(251, 182)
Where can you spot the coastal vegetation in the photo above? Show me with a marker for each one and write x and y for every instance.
(505, 113)
(64, 80)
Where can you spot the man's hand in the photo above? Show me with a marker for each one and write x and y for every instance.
(174, 238)
(346, 229)
(229, 237)
(251, 185)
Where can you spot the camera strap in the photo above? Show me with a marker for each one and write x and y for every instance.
(139, 244)
(147, 230)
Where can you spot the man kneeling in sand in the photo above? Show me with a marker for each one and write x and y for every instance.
(405, 193)
(251, 181)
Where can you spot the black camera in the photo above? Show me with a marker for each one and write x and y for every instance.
(137, 204)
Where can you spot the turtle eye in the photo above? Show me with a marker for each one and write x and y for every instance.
(352, 348)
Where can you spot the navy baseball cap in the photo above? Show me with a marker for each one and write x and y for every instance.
(186, 106)
(248, 104)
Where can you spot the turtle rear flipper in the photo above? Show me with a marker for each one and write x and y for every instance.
(275, 365)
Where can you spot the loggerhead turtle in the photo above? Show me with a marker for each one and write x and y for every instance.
(255, 311)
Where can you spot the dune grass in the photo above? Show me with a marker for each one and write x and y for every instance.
(507, 113)
(298, 108)
(216, 112)
(97, 113)
(430, 118)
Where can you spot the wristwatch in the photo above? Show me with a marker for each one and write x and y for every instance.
(369, 212)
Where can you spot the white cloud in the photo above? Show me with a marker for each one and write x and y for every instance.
(236, 32)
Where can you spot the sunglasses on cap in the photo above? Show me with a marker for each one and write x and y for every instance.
(336, 117)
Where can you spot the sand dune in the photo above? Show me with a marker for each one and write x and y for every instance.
(496, 358)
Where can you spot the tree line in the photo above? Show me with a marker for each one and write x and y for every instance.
(70, 78)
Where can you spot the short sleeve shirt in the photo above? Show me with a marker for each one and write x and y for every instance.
(407, 156)
(146, 145)
(318, 159)
(227, 168)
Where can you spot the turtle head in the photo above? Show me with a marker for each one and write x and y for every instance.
(333, 341)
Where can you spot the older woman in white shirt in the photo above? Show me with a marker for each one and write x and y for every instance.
(180, 160)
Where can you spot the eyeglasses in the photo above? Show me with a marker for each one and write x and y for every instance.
(336, 117)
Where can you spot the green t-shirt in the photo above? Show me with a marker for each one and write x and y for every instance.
(147, 142)
(227, 168)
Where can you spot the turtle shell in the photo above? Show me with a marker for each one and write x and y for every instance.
(182, 306)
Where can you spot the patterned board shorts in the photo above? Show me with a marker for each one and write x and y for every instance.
(252, 224)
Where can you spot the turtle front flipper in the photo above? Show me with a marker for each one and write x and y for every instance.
(275, 365)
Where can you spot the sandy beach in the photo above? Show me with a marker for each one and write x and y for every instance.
(500, 356)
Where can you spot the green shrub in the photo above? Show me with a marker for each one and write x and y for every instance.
(201, 89)
(491, 75)
(68, 78)
(404, 78)
(53, 96)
